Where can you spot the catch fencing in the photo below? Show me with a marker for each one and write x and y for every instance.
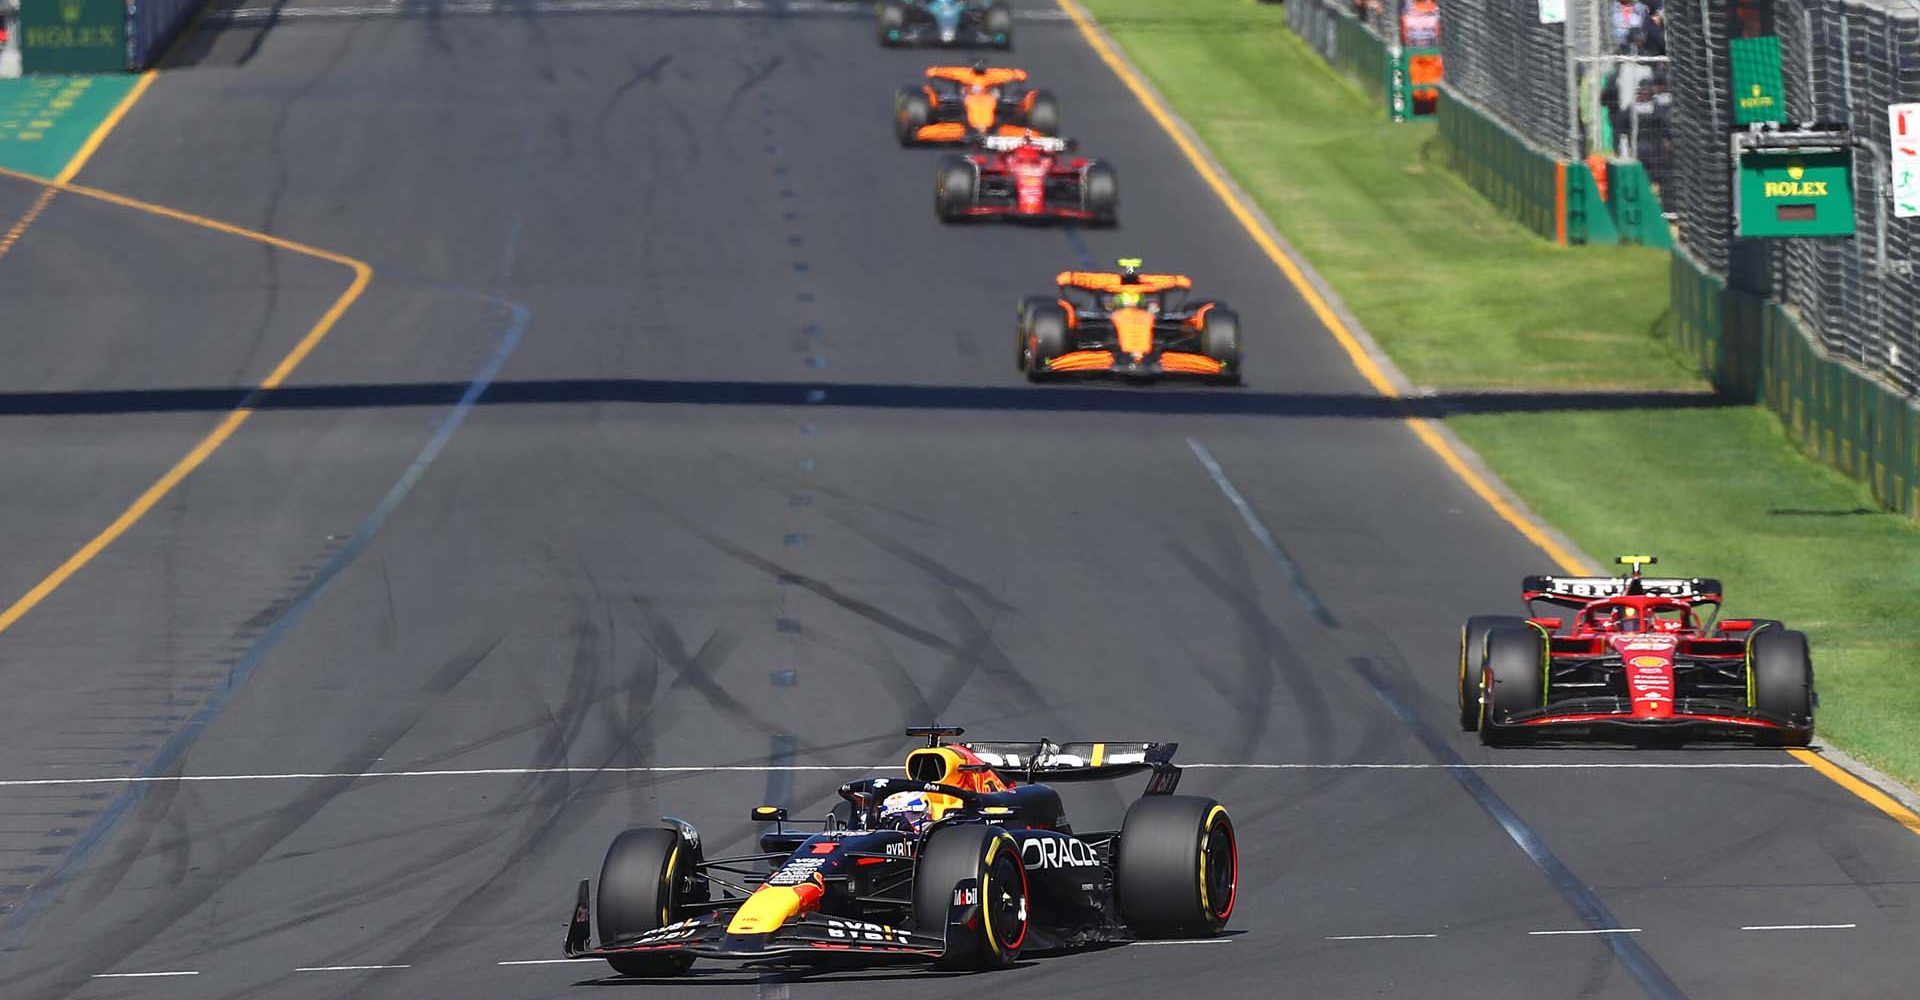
(152, 25)
(1842, 62)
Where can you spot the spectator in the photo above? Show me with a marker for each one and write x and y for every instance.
(1420, 24)
(1656, 32)
(1628, 16)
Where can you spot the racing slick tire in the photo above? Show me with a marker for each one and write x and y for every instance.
(998, 22)
(1043, 113)
(639, 891)
(911, 110)
(1780, 675)
(989, 855)
(1046, 336)
(1100, 192)
(1473, 648)
(892, 21)
(1512, 680)
(956, 188)
(1176, 867)
(1024, 324)
(1220, 338)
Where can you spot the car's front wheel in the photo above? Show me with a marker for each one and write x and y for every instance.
(1780, 675)
(980, 863)
(641, 884)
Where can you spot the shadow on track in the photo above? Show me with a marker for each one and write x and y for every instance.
(1093, 398)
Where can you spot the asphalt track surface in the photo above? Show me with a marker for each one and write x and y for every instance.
(753, 482)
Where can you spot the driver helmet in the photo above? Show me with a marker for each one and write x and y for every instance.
(907, 811)
(1625, 619)
(979, 67)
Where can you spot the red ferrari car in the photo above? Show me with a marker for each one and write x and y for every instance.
(1026, 177)
(1643, 657)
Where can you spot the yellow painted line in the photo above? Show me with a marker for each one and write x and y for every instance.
(107, 125)
(1852, 783)
(232, 422)
(19, 228)
(1421, 427)
(1369, 369)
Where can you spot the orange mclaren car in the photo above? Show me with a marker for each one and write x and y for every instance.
(1127, 323)
(961, 103)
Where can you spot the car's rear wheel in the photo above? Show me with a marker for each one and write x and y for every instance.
(1100, 192)
(641, 884)
(999, 24)
(1780, 677)
(1178, 866)
(1513, 679)
(989, 857)
(956, 188)
(892, 21)
(1043, 113)
(1047, 336)
(911, 111)
(1473, 648)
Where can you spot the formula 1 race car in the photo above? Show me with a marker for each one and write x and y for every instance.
(965, 863)
(946, 23)
(961, 103)
(1024, 177)
(1644, 657)
(1126, 323)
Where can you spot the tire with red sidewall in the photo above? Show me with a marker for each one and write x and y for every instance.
(639, 891)
(988, 855)
(1177, 868)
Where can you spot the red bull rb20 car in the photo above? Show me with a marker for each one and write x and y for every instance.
(1127, 323)
(964, 103)
(1027, 178)
(966, 862)
(1642, 658)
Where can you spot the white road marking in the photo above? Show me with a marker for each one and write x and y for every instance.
(1378, 937)
(139, 975)
(1592, 930)
(1184, 941)
(485, 8)
(485, 772)
(1800, 927)
(547, 961)
(348, 968)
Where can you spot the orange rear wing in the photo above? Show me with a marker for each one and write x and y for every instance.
(1109, 282)
(995, 77)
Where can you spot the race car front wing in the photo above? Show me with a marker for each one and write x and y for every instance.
(811, 935)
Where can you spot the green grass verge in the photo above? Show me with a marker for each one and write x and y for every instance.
(1463, 298)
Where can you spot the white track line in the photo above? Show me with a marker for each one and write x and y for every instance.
(1592, 930)
(484, 772)
(1140, 944)
(139, 975)
(483, 8)
(349, 968)
(1800, 927)
(1378, 937)
(547, 961)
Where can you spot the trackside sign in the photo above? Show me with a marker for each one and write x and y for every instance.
(1796, 193)
(1758, 93)
(73, 36)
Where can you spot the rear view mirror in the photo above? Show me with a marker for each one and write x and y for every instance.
(1550, 624)
(1737, 625)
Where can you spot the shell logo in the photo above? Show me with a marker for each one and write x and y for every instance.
(1648, 661)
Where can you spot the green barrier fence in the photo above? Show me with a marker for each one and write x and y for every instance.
(1517, 178)
(1360, 55)
(1755, 351)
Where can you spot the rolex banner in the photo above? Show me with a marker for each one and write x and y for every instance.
(73, 36)
(1758, 95)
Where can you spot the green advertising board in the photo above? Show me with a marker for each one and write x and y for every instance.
(1758, 94)
(1793, 193)
(73, 36)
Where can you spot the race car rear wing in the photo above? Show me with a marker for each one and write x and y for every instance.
(1576, 591)
(1056, 762)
